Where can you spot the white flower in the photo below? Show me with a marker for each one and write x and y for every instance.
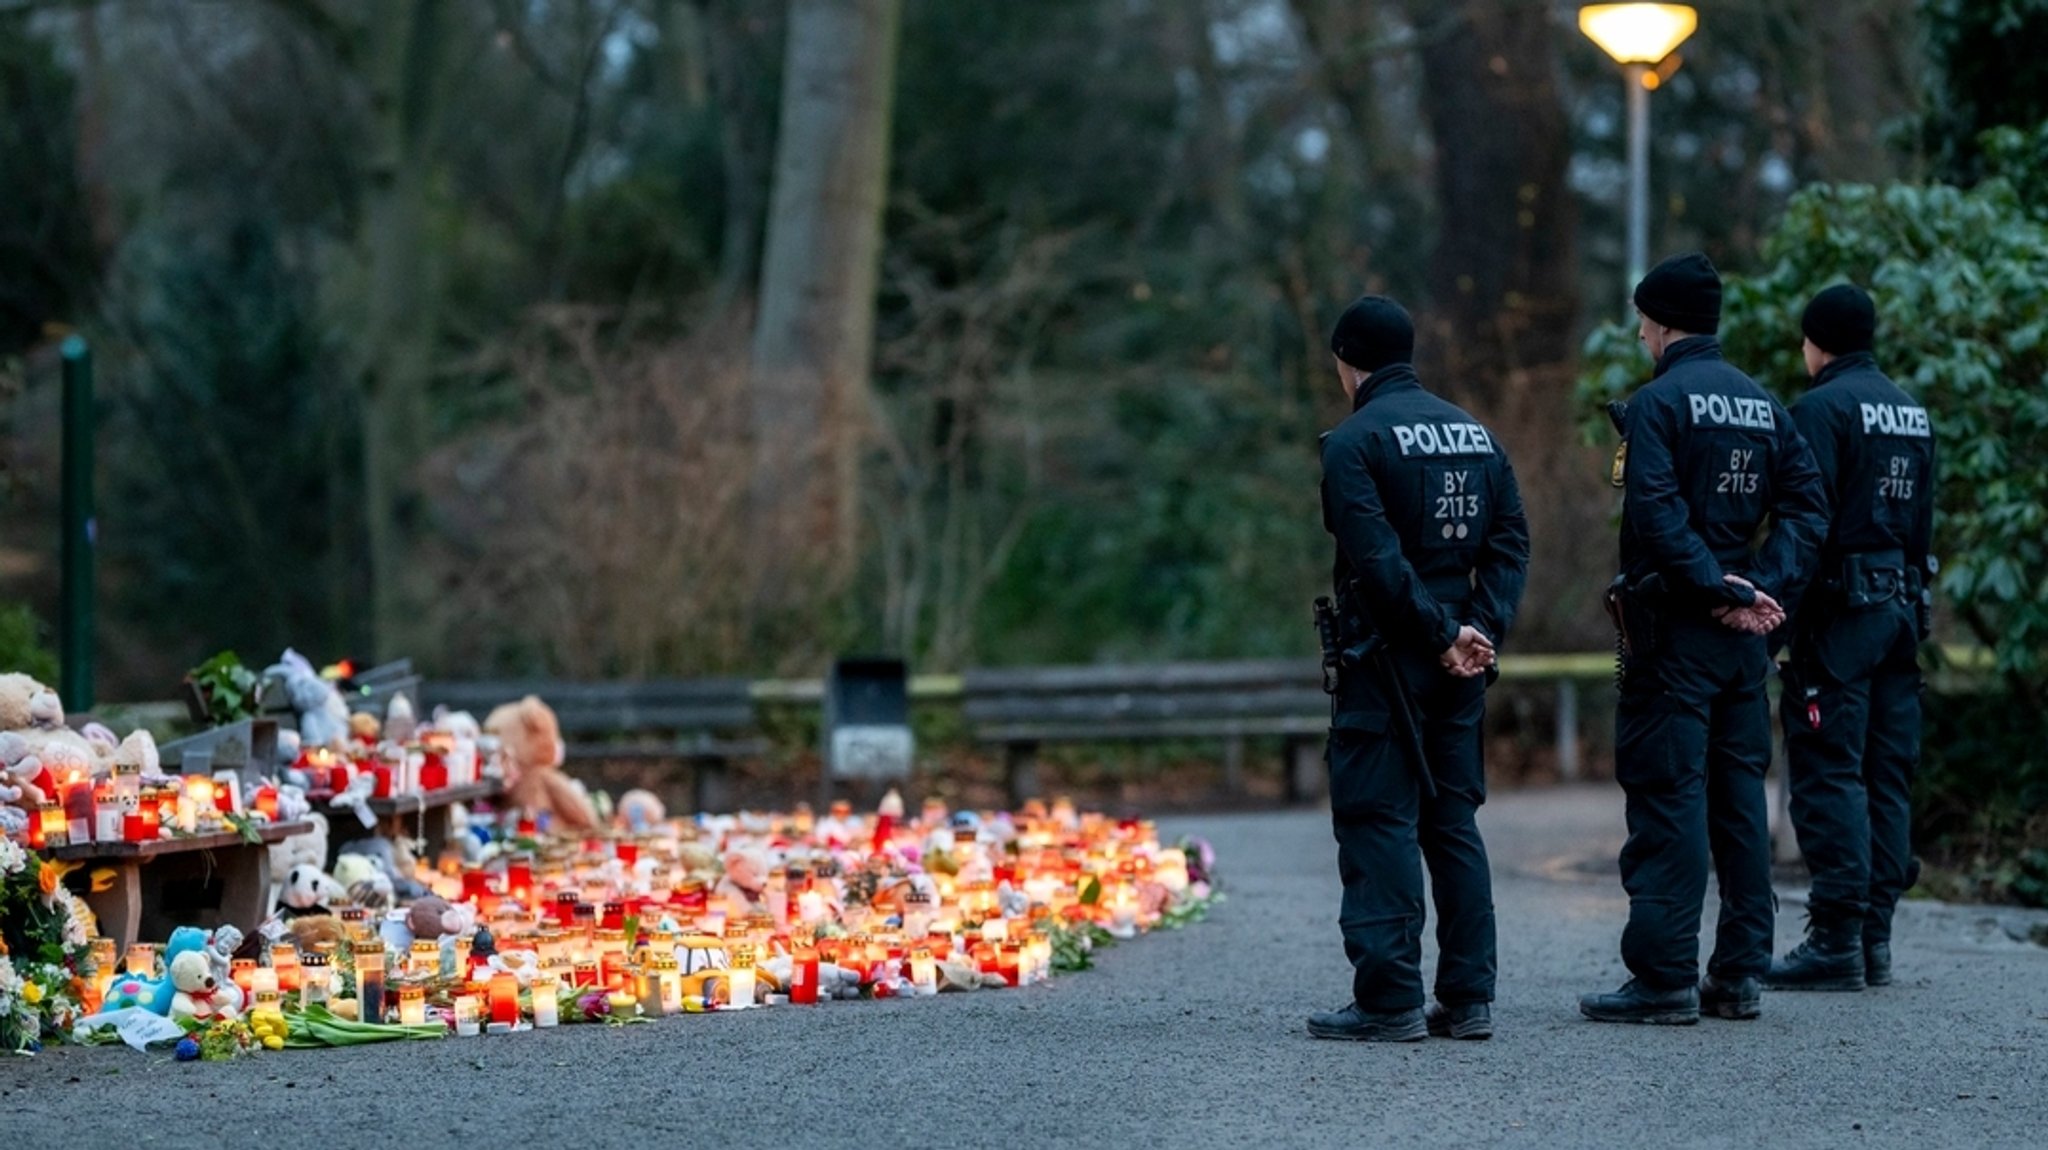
(12, 857)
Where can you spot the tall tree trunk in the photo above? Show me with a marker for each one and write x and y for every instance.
(814, 339)
(742, 37)
(404, 41)
(1504, 271)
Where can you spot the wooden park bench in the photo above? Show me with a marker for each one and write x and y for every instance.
(201, 880)
(1022, 709)
(707, 723)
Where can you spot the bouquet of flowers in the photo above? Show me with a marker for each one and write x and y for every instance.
(45, 949)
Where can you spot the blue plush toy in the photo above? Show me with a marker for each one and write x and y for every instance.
(154, 994)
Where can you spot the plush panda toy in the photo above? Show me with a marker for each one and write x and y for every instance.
(308, 890)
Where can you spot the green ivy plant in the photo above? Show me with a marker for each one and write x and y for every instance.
(229, 688)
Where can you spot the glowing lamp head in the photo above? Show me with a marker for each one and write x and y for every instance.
(1638, 33)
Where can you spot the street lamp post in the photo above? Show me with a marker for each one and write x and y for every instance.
(1638, 36)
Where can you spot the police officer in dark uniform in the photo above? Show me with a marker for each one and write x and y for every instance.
(1432, 556)
(1851, 704)
(1710, 458)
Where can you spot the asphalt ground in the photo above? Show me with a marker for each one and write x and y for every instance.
(1189, 1038)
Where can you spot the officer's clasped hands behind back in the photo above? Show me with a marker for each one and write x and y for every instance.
(1432, 555)
(1709, 458)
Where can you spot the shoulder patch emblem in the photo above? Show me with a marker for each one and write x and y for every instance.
(1619, 475)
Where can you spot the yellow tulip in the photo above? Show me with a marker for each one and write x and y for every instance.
(31, 993)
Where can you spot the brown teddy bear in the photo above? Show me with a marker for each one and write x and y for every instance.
(531, 738)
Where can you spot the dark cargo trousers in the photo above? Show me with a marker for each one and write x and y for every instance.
(1692, 744)
(1384, 820)
(1856, 672)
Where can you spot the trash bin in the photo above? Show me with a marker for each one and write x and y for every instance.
(867, 721)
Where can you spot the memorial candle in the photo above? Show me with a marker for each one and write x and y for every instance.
(50, 828)
(412, 1004)
(504, 994)
(924, 972)
(314, 980)
(243, 972)
(262, 980)
(424, 959)
(803, 977)
(465, 1015)
(74, 794)
(547, 1003)
(370, 983)
(741, 978)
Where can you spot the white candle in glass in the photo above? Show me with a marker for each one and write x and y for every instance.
(465, 1015)
(741, 983)
(547, 1007)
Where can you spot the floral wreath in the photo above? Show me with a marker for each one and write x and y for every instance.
(45, 949)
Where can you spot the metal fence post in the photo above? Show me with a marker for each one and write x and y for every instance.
(81, 531)
(1568, 728)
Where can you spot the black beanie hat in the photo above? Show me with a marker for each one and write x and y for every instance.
(1841, 320)
(1372, 333)
(1683, 292)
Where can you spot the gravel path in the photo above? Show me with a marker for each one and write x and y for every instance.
(1191, 1038)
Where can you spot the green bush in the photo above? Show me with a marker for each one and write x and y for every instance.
(22, 648)
(1960, 277)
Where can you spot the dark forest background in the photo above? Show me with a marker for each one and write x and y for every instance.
(463, 329)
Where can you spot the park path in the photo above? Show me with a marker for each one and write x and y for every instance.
(1185, 1039)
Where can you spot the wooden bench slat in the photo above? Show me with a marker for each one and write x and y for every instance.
(1272, 702)
(1140, 731)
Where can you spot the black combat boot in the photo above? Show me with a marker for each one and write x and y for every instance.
(1739, 998)
(1355, 1025)
(1831, 958)
(1472, 1020)
(1635, 1002)
(1877, 963)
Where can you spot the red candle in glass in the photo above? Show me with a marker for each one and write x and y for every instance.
(629, 853)
(475, 883)
(131, 827)
(803, 978)
(152, 823)
(266, 802)
(505, 998)
(563, 908)
(383, 774)
(434, 774)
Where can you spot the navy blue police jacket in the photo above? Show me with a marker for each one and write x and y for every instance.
(1426, 515)
(1710, 458)
(1874, 447)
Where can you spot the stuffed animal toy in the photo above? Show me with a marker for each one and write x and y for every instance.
(28, 705)
(745, 882)
(197, 993)
(400, 723)
(365, 727)
(365, 882)
(154, 994)
(309, 890)
(307, 849)
(461, 724)
(436, 917)
(532, 741)
(393, 861)
(640, 811)
(35, 716)
(323, 716)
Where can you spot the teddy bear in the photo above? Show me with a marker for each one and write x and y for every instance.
(323, 715)
(26, 704)
(531, 738)
(745, 882)
(197, 993)
(143, 989)
(391, 860)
